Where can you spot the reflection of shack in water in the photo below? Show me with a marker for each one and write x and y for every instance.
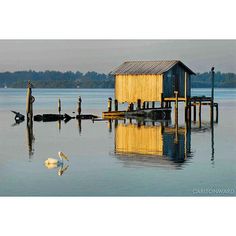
(152, 143)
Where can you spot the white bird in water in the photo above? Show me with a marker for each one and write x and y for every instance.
(56, 162)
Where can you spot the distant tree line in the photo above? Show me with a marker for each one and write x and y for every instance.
(56, 79)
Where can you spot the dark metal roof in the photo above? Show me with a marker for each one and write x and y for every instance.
(147, 67)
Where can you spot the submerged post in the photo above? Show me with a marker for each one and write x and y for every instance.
(109, 105)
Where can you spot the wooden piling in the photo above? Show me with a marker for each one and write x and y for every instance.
(212, 94)
(217, 111)
(109, 105)
(162, 100)
(194, 112)
(59, 106)
(200, 114)
(29, 102)
(116, 104)
(176, 107)
(79, 109)
(143, 106)
(138, 104)
(153, 104)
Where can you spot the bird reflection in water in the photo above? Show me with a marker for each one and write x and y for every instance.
(61, 168)
(52, 163)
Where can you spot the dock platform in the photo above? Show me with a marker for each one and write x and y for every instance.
(154, 113)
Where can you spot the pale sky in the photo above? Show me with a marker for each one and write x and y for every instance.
(105, 55)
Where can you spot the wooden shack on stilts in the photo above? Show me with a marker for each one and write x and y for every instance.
(143, 83)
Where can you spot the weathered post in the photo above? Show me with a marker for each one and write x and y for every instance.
(200, 114)
(194, 112)
(188, 110)
(131, 106)
(143, 106)
(147, 105)
(176, 106)
(116, 104)
(153, 104)
(138, 104)
(162, 100)
(109, 105)
(29, 102)
(79, 106)
(59, 106)
(217, 111)
(212, 93)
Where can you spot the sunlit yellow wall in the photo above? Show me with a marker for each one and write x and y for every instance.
(142, 140)
(130, 88)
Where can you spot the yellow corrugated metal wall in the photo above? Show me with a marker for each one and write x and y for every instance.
(143, 140)
(130, 88)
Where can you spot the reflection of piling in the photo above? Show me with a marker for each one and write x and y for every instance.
(212, 143)
(110, 125)
(29, 102)
(59, 125)
(79, 126)
(116, 123)
(30, 138)
(109, 104)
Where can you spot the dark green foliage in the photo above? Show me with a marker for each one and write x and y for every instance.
(56, 79)
(222, 80)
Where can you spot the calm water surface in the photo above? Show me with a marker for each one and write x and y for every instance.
(128, 158)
